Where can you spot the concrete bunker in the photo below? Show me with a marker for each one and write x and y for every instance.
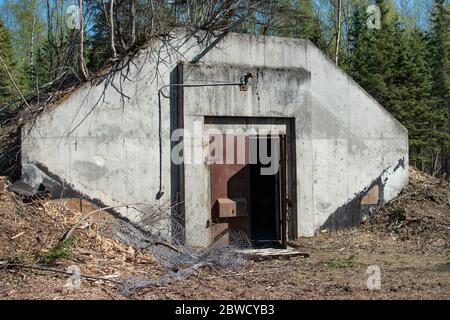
(341, 152)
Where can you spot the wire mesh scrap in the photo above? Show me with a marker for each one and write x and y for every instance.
(170, 249)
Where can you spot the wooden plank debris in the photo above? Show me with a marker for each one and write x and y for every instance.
(274, 253)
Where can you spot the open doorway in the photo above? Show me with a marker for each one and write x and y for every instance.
(265, 198)
(249, 197)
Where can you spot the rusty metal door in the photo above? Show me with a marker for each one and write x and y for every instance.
(230, 188)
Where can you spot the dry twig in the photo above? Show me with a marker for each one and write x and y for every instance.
(60, 271)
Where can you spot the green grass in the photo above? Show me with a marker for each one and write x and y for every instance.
(63, 250)
(341, 263)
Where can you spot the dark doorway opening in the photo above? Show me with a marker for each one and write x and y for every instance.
(265, 197)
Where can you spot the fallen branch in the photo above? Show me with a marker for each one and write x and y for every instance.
(164, 244)
(69, 233)
(13, 82)
(60, 271)
(403, 196)
(17, 236)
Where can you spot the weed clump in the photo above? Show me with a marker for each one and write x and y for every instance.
(341, 263)
(63, 250)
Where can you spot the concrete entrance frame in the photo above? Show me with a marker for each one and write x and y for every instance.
(198, 208)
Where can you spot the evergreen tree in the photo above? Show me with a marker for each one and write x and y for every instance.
(45, 55)
(411, 98)
(302, 22)
(296, 19)
(27, 33)
(439, 43)
(6, 87)
(372, 53)
(99, 40)
(392, 65)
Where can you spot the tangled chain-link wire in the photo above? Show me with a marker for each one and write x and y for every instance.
(170, 248)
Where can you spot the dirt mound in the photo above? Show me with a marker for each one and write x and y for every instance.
(30, 234)
(421, 213)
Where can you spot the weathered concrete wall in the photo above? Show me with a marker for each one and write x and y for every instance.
(103, 145)
(354, 142)
(345, 141)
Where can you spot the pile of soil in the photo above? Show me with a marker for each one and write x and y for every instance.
(419, 214)
(30, 234)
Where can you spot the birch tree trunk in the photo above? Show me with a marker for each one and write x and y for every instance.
(133, 21)
(33, 71)
(50, 39)
(83, 70)
(33, 37)
(338, 31)
(111, 30)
